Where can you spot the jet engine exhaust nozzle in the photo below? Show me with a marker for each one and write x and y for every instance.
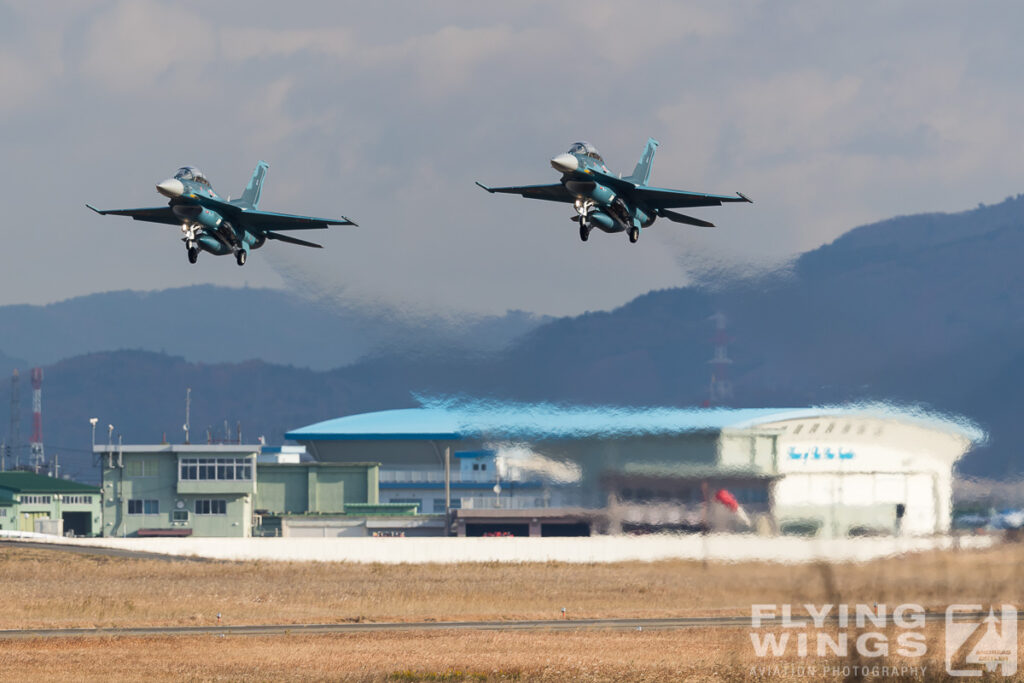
(172, 187)
(566, 163)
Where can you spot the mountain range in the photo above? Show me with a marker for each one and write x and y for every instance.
(925, 310)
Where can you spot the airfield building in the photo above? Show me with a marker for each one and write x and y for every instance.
(49, 505)
(235, 490)
(830, 472)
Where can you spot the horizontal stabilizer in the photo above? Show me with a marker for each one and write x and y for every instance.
(291, 240)
(681, 218)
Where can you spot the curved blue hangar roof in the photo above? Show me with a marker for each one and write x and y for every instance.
(449, 420)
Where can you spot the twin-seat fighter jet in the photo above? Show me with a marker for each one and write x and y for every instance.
(222, 226)
(613, 203)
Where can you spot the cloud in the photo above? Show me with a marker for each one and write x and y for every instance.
(139, 45)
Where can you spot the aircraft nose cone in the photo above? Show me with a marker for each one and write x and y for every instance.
(171, 187)
(566, 163)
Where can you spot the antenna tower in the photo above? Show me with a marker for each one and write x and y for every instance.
(720, 390)
(14, 432)
(36, 458)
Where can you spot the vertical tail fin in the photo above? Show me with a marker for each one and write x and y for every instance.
(251, 196)
(643, 167)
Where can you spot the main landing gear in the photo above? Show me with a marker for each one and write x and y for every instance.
(193, 254)
(584, 229)
(240, 257)
(634, 234)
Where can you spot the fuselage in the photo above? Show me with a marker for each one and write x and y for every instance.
(202, 227)
(599, 205)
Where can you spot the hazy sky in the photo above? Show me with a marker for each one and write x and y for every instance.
(828, 115)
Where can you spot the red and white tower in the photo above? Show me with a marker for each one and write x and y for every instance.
(36, 458)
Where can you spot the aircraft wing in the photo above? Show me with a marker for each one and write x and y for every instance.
(658, 198)
(268, 220)
(263, 221)
(156, 214)
(555, 192)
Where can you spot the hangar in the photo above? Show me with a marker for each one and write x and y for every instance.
(832, 471)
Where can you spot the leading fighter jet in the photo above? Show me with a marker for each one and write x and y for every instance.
(222, 226)
(613, 203)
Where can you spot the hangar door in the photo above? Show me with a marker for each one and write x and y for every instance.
(907, 500)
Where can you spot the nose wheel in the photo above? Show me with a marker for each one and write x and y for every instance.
(634, 234)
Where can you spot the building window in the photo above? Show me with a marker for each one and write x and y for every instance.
(36, 500)
(439, 504)
(219, 469)
(3, 512)
(138, 506)
(179, 515)
(476, 466)
(141, 467)
(410, 501)
(77, 500)
(208, 506)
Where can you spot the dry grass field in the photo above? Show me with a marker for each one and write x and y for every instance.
(656, 656)
(51, 589)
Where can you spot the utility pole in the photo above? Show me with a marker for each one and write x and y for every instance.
(188, 411)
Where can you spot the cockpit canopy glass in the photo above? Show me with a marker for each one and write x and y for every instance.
(586, 149)
(191, 173)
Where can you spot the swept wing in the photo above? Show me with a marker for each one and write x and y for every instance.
(658, 198)
(554, 192)
(267, 220)
(156, 214)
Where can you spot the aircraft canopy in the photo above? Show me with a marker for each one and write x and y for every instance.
(191, 173)
(586, 149)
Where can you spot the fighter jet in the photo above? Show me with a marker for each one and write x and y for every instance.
(222, 226)
(613, 203)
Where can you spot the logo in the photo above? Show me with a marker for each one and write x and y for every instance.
(880, 640)
(817, 454)
(977, 643)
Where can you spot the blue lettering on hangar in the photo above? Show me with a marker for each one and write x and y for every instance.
(817, 454)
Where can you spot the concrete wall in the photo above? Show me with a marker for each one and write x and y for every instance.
(712, 547)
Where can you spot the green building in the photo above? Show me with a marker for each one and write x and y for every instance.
(223, 489)
(36, 503)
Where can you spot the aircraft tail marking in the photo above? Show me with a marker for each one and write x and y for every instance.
(251, 196)
(643, 167)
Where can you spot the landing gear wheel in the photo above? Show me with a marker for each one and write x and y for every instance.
(193, 254)
(584, 231)
(634, 234)
(240, 257)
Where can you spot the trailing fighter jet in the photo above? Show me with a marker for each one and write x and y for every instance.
(222, 226)
(613, 203)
